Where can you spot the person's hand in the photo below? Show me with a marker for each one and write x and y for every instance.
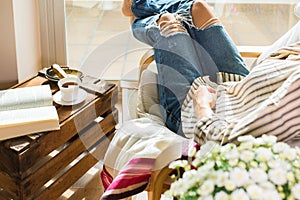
(205, 96)
(204, 100)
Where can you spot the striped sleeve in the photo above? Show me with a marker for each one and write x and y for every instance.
(210, 128)
(278, 115)
(188, 116)
(267, 101)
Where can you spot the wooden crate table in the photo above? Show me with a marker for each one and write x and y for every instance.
(44, 165)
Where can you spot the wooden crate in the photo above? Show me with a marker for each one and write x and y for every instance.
(45, 165)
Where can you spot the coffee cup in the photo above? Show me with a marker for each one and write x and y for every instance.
(69, 87)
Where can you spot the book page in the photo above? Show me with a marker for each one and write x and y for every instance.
(17, 98)
(27, 121)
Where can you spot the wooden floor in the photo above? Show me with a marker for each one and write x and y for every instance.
(89, 187)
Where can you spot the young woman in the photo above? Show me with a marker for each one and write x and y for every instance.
(189, 41)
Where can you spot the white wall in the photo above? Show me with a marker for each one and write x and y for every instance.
(20, 54)
(27, 34)
(8, 61)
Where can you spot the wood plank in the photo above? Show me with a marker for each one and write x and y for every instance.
(53, 140)
(100, 103)
(33, 148)
(7, 196)
(72, 175)
(25, 163)
(34, 81)
(9, 158)
(88, 187)
(9, 186)
(55, 165)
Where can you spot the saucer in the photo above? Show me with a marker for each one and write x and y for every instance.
(82, 94)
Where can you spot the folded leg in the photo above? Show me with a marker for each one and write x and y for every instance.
(188, 43)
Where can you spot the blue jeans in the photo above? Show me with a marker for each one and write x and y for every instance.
(182, 57)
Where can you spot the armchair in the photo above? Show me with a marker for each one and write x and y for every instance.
(160, 180)
(145, 96)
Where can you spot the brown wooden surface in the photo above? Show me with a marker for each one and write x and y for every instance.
(27, 163)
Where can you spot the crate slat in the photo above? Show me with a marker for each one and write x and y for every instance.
(29, 163)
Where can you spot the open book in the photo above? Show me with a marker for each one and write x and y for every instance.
(27, 110)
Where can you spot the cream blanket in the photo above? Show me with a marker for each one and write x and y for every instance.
(138, 148)
(143, 138)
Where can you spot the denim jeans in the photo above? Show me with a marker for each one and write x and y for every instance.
(182, 57)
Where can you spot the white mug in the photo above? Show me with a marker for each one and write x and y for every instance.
(69, 87)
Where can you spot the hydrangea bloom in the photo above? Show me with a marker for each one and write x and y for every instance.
(257, 168)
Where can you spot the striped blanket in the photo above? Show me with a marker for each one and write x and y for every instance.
(267, 101)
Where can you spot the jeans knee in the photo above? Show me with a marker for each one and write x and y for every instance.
(169, 24)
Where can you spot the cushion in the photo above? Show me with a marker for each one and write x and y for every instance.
(148, 99)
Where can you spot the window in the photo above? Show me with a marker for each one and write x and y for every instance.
(98, 25)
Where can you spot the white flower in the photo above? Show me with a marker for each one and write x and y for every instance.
(258, 141)
(247, 156)
(229, 185)
(222, 177)
(278, 176)
(239, 194)
(207, 188)
(239, 176)
(253, 164)
(191, 177)
(258, 175)
(206, 149)
(246, 145)
(242, 165)
(263, 154)
(271, 195)
(246, 138)
(232, 155)
(212, 175)
(192, 151)
(255, 192)
(178, 163)
(206, 167)
(279, 147)
(272, 168)
(210, 197)
(282, 164)
(274, 163)
(227, 148)
(290, 177)
(296, 191)
(221, 196)
(269, 139)
(267, 185)
(289, 154)
(179, 187)
(296, 163)
(297, 173)
(233, 162)
(216, 148)
(197, 161)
